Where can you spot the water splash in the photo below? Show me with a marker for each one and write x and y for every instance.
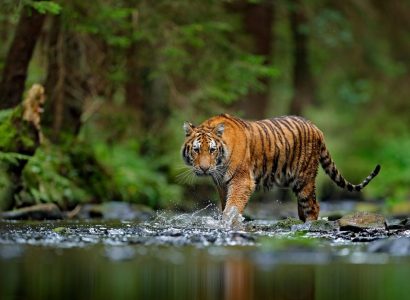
(208, 216)
(233, 219)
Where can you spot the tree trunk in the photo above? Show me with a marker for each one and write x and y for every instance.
(258, 19)
(133, 89)
(66, 82)
(19, 56)
(303, 83)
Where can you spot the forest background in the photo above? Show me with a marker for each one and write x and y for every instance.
(121, 76)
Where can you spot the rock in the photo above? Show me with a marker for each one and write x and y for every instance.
(358, 221)
(334, 217)
(405, 223)
(322, 226)
(315, 226)
(393, 246)
(46, 211)
(286, 224)
(397, 224)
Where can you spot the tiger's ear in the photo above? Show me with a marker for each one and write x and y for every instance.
(219, 129)
(188, 128)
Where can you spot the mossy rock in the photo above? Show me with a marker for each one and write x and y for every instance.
(286, 224)
(17, 135)
(281, 225)
(322, 226)
(358, 221)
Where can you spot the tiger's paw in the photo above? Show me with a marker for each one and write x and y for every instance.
(232, 219)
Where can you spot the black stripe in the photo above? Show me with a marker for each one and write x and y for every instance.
(266, 184)
(255, 167)
(239, 122)
(294, 148)
(286, 144)
(333, 173)
(251, 146)
(303, 146)
(266, 134)
(264, 159)
(229, 180)
(298, 188)
(326, 163)
(235, 121)
(281, 134)
(275, 161)
(299, 130)
(308, 140)
(303, 202)
(288, 150)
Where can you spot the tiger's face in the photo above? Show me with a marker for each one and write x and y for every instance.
(204, 149)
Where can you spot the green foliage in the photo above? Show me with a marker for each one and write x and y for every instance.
(16, 135)
(137, 178)
(238, 79)
(193, 59)
(393, 152)
(50, 177)
(12, 158)
(45, 7)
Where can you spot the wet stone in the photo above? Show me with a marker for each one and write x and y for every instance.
(359, 221)
(365, 235)
(393, 246)
(334, 217)
(281, 225)
(397, 224)
(322, 226)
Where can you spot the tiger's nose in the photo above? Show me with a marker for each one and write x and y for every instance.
(204, 168)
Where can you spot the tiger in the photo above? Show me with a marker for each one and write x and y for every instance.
(241, 155)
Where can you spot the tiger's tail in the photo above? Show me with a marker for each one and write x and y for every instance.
(330, 168)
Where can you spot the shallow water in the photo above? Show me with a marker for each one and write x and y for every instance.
(194, 256)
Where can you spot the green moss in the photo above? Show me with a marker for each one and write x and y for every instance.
(322, 226)
(17, 135)
(6, 188)
(286, 224)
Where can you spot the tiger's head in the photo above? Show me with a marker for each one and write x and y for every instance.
(204, 148)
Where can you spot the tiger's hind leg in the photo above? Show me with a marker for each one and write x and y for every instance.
(308, 207)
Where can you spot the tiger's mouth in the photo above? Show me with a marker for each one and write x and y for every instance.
(202, 173)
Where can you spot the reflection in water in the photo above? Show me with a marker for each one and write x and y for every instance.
(139, 272)
(238, 275)
(192, 256)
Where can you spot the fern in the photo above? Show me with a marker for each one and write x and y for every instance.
(12, 158)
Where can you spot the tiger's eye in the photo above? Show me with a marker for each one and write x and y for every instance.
(212, 150)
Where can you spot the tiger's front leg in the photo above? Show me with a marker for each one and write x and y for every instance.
(240, 189)
(222, 191)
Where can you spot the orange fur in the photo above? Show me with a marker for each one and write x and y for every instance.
(240, 155)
